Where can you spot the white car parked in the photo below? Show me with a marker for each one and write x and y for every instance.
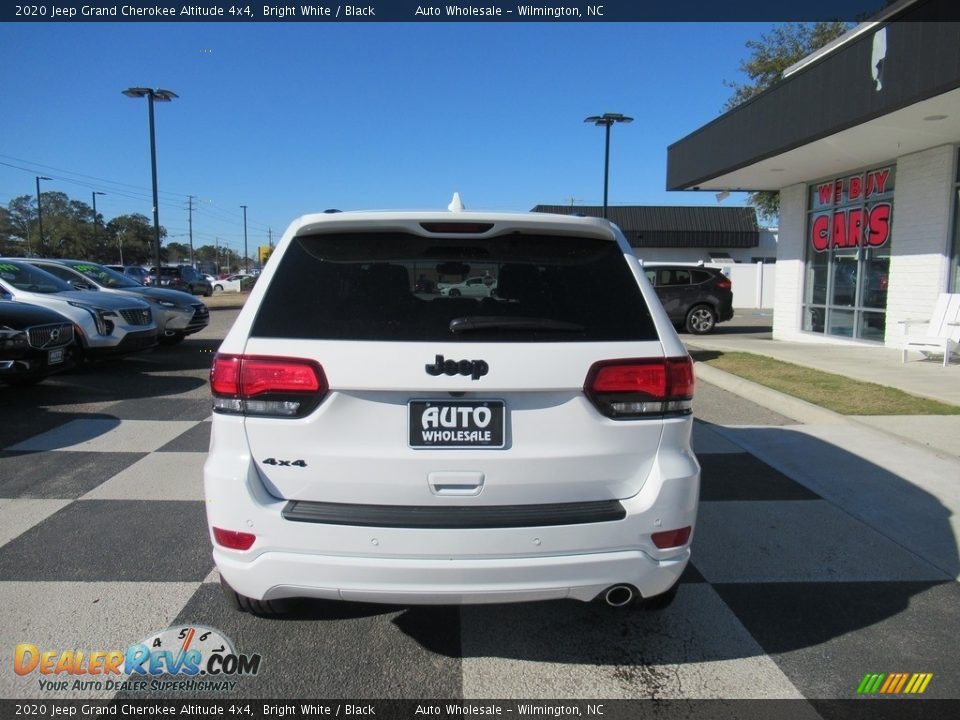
(483, 286)
(232, 283)
(107, 324)
(373, 444)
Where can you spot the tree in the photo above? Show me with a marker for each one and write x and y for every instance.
(769, 56)
(132, 239)
(178, 252)
(18, 227)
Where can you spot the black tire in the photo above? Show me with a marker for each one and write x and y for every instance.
(207, 291)
(218, 288)
(263, 608)
(658, 602)
(700, 320)
(174, 339)
(454, 293)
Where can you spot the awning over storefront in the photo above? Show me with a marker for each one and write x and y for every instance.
(675, 226)
(888, 88)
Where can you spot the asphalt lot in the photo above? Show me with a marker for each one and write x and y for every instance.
(103, 543)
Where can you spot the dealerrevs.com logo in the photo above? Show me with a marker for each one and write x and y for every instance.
(187, 658)
(894, 683)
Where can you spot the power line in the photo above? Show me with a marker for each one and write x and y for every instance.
(113, 186)
(83, 175)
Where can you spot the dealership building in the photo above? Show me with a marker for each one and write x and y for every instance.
(861, 140)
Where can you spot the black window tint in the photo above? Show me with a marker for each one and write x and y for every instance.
(362, 287)
(700, 276)
(674, 276)
(60, 272)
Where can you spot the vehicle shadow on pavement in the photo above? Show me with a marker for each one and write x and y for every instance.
(826, 560)
(160, 376)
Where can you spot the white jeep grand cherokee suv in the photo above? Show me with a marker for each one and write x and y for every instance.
(374, 444)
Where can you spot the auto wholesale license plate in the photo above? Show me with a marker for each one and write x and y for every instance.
(456, 423)
(55, 357)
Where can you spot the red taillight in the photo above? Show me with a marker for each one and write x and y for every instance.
(671, 538)
(278, 375)
(723, 283)
(624, 389)
(225, 375)
(289, 386)
(233, 539)
(649, 378)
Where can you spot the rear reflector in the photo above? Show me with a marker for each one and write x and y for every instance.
(625, 389)
(671, 538)
(282, 386)
(233, 539)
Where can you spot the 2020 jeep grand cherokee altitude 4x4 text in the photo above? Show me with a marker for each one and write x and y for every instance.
(372, 443)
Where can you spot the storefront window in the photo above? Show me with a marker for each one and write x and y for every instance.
(848, 255)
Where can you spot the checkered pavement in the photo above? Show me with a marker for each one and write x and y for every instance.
(103, 542)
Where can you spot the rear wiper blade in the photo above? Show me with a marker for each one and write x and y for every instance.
(492, 322)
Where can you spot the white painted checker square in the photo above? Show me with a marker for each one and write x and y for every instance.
(17, 516)
(158, 476)
(695, 649)
(709, 441)
(789, 541)
(80, 616)
(107, 435)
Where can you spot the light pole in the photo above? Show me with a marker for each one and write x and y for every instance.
(246, 259)
(606, 120)
(43, 245)
(94, 195)
(153, 96)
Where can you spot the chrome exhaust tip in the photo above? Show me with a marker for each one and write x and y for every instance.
(619, 595)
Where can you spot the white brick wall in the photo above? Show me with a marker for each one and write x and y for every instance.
(922, 206)
(790, 248)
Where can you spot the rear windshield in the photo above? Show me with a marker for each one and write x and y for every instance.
(401, 287)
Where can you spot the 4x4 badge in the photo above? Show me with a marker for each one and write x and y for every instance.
(476, 369)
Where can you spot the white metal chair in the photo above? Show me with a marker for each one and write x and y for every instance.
(942, 334)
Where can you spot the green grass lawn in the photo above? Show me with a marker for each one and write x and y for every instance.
(834, 392)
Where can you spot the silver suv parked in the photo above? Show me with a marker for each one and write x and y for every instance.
(106, 324)
(177, 314)
(373, 443)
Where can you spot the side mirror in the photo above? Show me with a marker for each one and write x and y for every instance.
(81, 285)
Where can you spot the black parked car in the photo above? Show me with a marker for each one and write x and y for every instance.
(140, 274)
(695, 297)
(185, 278)
(34, 342)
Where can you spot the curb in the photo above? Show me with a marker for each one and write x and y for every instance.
(791, 407)
(797, 409)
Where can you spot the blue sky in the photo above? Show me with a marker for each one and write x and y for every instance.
(296, 118)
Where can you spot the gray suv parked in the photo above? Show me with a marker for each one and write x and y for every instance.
(185, 278)
(695, 297)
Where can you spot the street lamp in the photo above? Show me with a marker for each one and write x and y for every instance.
(94, 195)
(606, 120)
(43, 247)
(153, 96)
(246, 259)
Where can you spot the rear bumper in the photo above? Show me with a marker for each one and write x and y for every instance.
(450, 581)
(445, 564)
